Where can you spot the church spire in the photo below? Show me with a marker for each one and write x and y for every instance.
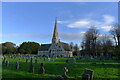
(55, 34)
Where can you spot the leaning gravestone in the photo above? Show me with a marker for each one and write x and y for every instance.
(42, 69)
(17, 65)
(65, 72)
(88, 75)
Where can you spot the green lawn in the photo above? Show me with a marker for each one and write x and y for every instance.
(54, 70)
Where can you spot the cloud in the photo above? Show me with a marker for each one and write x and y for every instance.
(105, 23)
(108, 19)
(79, 24)
(72, 36)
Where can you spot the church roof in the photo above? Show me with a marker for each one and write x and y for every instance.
(44, 47)
(65, 46)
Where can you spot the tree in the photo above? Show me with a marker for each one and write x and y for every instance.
(90, 39)
(29, 48)
(117, 51)
(115, 31)
(9, 48)
(76, 50)
(106, 44)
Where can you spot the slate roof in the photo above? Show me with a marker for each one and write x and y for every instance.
(65, 46)
(45, 47)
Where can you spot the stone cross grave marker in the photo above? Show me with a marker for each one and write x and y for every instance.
(88, 75)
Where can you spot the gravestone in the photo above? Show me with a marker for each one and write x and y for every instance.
(42, 69)
(53, 59)
(26, 60)
(6, 63)
(17, 65)
(67, 63)
(48, 59)
(44, 59)
(65, 72)
(36, 60)
(94, 63)
(74, 60)
(88, 75)
(31, 69)
(31, 60)
(3, 62)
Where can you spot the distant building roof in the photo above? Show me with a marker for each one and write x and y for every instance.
(44, 47)
(65, 46)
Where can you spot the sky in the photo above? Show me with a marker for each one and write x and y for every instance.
(34, 21)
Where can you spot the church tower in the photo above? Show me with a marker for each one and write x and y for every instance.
(55, 38)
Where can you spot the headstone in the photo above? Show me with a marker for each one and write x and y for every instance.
(65, 72)
(3, 62)
(26, 60)
(67, 63)
(48, 59)
(31, 60)
(6, 63)
(17, 65)
(56, 57)
(53, 59)
(85, 77)
(74, 60)
(36, 60)
(88, 75)
(31, 69)
(42, 69)
(94, 63)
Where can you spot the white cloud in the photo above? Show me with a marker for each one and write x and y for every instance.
(108, 19)
(72, 36)
(79, 24)
(103, 24)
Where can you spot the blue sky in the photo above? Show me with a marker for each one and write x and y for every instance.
(34, 21)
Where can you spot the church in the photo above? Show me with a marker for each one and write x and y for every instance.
(56, 48)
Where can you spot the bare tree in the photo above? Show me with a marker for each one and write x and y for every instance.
(90, 40)
(115, 31)
(106, 44)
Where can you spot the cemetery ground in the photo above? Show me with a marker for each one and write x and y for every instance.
(103, 69)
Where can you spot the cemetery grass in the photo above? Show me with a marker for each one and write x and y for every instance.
(54, 70)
